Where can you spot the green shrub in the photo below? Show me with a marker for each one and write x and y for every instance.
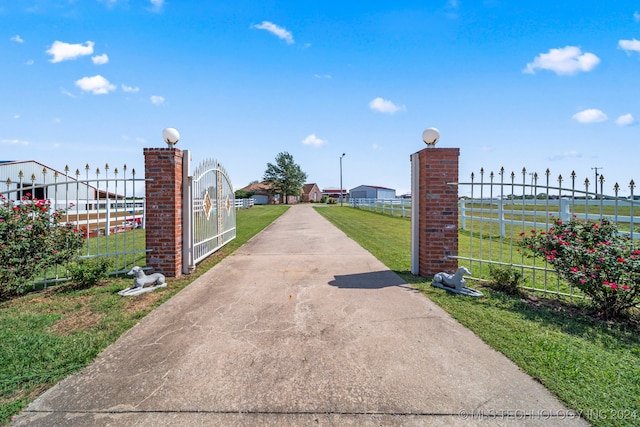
(595, 258)
(505, 279)
(244, 194)
(88, 272)
(331, 201)
(33, 237)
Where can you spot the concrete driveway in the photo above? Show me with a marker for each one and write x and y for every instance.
(300, 326)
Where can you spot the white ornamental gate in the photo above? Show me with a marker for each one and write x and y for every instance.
(209, 213)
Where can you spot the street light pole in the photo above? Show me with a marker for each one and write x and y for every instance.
(596, 183)
(531, 174)
(341, 194)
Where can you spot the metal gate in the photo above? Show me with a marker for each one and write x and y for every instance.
(209, 214)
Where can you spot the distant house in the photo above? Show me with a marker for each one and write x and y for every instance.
(311, 193)
(372, 192)
(335, 193)
(263, 194)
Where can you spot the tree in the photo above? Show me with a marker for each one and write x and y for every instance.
(285, 176)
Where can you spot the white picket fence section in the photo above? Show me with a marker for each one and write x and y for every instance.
(244, 203)
(538, 214)
(395, 207)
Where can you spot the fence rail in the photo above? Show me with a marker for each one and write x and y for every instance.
(394, 207)
(244, 203)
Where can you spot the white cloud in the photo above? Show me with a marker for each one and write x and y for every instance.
(636, 16)
(629, 45)
(14, 141)
(156, 5)
(137, 139)
(157, 100)
(625, 120)
(376, 147)
(97, 85)
(30, 62)
(130, 89)
(62, 51)
(384, 106)
(16, 116)
(17, 39)
(567, 60)
(452, 9)
(590, 115)
(280, 32)
(322, 76)
(566, 155)
(314, 141)
(66, 92)
(100, 59)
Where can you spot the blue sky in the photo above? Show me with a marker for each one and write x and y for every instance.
(542, 84)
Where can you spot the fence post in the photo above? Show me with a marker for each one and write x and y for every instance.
(436, 229)
(187, 217)
(565, 213)
(501, 219)
(163, 209)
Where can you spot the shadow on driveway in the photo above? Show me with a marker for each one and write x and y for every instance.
(370, 280)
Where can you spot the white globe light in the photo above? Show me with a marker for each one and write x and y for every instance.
(171, 136)
(431, 136)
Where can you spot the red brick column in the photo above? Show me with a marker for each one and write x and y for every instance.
(437, 210)
(163, 214)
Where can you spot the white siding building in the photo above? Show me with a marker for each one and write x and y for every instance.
(372, 192)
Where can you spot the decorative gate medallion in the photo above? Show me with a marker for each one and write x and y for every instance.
(206, 205)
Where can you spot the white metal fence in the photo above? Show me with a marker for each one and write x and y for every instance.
(502, 207)
(102, 203)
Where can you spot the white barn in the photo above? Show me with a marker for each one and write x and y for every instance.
(372, 192)
(17, 178)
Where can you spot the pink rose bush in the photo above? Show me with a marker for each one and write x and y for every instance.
(595, 258)
(32, 239)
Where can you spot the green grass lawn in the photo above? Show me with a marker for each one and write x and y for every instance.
(46, 336)
(591, 365)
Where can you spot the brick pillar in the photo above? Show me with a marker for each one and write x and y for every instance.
(437, 228)
(163, 215)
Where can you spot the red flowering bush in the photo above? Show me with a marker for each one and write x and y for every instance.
(32, 238)
(595, 258)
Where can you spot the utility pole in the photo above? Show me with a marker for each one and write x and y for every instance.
(341, 195)
(596, 182)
